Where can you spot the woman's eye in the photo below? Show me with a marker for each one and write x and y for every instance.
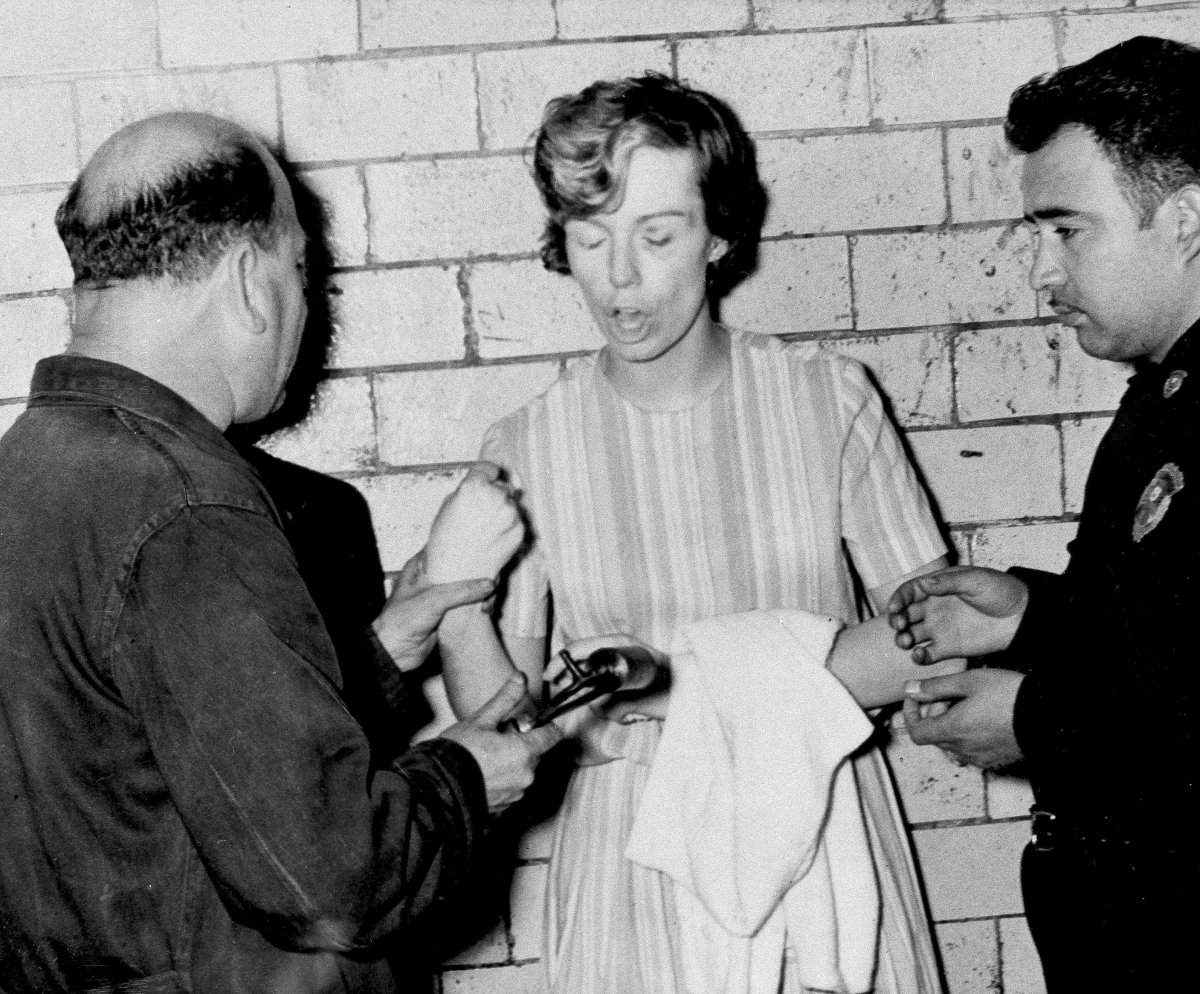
(659, 240)
(586, 238)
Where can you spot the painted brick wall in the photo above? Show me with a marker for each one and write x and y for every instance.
(890, 237)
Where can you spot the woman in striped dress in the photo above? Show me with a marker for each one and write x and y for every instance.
(685, 470)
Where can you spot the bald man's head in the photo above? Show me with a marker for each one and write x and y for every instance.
(166, 197)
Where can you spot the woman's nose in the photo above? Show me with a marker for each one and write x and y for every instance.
(622, 265)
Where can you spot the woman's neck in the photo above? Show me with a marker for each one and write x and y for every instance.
(688, 371)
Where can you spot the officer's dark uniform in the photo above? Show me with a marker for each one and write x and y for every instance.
(1108, 715)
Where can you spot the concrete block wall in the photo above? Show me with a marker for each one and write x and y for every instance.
(891, 237)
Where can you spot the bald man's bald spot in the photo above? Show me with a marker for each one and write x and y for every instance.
(168, 196)
(146, 154)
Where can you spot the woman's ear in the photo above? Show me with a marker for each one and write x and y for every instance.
(1187, 205)
(717, 247)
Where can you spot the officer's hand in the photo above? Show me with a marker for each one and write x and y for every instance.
(477, 529)
(958, 611)
(507, 759)
(407, 625)
(977, 727)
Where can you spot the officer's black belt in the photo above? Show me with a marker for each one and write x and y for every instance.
(1049, 831)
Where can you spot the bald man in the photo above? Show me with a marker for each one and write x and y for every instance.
(188, 804)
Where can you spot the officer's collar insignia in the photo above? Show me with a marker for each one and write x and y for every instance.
(1174, 382)
(1155, 499)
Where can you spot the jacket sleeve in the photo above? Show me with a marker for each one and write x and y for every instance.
(328, 527)
(222, 653)
(1110, 681)
(387, 702)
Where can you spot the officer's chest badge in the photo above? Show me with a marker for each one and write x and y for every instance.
(1156, 498)
(1173, 383)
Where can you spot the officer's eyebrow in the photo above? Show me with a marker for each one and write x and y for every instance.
(1050, 214)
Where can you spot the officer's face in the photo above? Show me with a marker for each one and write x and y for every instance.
(1120, 286)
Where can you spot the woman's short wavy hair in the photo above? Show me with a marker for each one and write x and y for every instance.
(581, 160)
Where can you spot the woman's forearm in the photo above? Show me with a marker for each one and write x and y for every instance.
(474, 663)
(866, 660)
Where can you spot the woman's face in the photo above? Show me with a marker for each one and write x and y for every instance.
(642, 266)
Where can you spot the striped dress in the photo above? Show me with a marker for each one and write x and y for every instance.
(645, 520)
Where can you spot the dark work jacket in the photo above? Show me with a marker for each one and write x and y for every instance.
(328, 526)
(1108, 715)
(188, 804)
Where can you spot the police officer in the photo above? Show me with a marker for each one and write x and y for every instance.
(1094, 683)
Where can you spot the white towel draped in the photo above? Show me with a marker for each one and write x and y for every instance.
(752, 810)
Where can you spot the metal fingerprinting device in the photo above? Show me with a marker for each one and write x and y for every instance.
(605, 671)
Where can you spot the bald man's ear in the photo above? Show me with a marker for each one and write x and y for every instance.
(246, 292)
(1187, 205)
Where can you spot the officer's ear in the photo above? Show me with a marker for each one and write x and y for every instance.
(1187, 209)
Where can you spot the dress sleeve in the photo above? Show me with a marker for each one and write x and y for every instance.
(222, 654)
(887, 521)
(524, 611)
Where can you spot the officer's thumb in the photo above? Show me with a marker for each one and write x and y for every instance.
(502, 702)
(441, 597)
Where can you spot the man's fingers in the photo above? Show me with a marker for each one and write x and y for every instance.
(447, 595)
(926, 652)
(953, 581)
(912, 632)
(954, 757)
(910, 594)
(929, 730)
(950, 687)
(921, 654)
(908, 613)
(911, 709)
(490, 473)
(904, 595)
(435, 600)
(940, 583)
(582, 648)
(543, 738)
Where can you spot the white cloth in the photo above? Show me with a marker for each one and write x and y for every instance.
(752, 809)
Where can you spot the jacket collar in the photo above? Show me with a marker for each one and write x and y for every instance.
(83, 380)
(1181, 357)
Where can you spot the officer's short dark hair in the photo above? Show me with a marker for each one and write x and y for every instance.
(1140, 101)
